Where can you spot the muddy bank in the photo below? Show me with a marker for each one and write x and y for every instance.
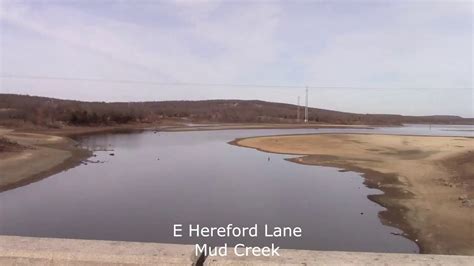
(427, 181)
(36, 153)
(35, 157)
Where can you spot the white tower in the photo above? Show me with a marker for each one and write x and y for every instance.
(306, 107)
(298, 111)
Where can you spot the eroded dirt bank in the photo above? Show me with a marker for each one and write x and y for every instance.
(28, 157)
(428, 181)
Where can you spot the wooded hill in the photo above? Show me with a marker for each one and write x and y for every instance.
(43, 111)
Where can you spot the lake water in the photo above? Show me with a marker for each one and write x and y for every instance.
(157, 180)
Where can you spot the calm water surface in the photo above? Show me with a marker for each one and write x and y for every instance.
(157, 180)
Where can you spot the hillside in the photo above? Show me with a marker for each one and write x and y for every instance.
(43, 111)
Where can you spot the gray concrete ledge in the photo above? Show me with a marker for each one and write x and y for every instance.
(311, 257)
(16, 250)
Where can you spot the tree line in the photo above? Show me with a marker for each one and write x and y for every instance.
(56, 112)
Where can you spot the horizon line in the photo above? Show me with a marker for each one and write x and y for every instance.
(222, 99)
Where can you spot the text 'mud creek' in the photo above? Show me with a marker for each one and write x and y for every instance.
(230, 230)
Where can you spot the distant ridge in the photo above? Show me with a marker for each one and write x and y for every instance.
(51, 111)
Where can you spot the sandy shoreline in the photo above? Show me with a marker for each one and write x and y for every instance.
(428, 182)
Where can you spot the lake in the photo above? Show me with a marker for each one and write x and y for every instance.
(156, 180)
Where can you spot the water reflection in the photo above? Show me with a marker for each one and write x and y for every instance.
(156, 180)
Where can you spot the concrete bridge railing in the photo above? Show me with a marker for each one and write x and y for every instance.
(16, 250)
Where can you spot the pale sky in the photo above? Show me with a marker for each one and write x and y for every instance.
(407, 57)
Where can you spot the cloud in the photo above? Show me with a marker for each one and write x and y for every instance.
(241, 37)
(304, 43)
(422, 47)
(407, 48)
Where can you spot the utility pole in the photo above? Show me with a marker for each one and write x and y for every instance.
(298, 111)
(306, 107)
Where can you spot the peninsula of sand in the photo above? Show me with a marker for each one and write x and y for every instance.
(428, 182)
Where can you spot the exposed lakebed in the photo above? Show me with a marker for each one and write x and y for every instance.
(155, 180)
